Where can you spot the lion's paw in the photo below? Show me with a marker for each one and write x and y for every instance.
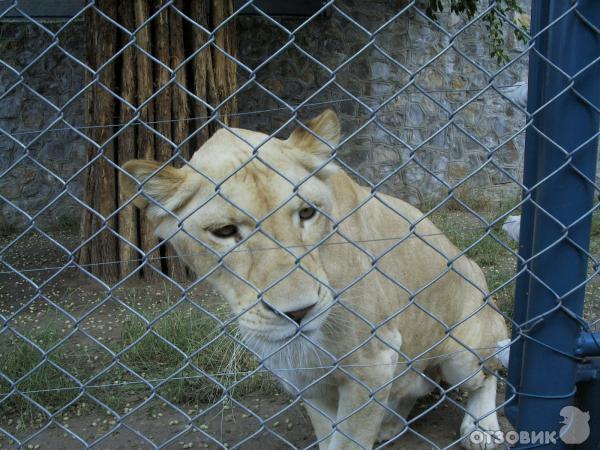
(475, 438)
(389, 430)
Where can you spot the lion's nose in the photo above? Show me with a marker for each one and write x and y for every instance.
(299, 314)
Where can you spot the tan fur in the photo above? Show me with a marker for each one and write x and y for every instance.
(394, 295)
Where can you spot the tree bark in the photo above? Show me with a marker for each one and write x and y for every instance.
(146, 142)
(126, 143)
(171, 113)
(225, 70)
(101, 186)
(181, 113)
(203, 82)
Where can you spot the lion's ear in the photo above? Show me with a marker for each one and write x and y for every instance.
(326, 135)
(143, 180)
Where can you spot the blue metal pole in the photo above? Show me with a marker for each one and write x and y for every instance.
(534, 99)
(549, 368)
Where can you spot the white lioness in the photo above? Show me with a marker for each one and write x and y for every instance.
(351, 299)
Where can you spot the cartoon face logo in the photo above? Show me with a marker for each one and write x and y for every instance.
(575, 429)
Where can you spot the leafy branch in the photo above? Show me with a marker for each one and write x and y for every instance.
(493, 21)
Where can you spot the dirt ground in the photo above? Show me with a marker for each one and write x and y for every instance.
(156, 423)
(287, 427)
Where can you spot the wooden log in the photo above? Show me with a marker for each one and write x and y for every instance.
(132, 75)
(224, 69)
(146, 141)
(100, 184)
(180, 112)
(127, 219)
(201, 69)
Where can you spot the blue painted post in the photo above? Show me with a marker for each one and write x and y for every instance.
(534, 99)
(548, 373)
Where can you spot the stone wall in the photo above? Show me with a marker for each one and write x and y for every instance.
(423, 129)
(422, 141)
(38, 172)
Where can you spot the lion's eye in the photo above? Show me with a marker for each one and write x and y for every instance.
(225, 232)
(307, 213)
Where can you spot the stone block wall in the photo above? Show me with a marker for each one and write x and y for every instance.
(427, 135)
(39, 170)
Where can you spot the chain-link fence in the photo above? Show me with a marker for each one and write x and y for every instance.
(174, 278)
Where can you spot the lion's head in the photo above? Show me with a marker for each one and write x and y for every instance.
(247, 213)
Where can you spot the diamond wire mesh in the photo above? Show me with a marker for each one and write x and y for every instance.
(91, 388)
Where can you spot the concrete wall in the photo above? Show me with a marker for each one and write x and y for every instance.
(412, 120)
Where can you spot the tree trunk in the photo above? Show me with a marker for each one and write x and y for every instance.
(126, 144)
(181, 114)
(100, 187)
(225, 70)
(166, 118)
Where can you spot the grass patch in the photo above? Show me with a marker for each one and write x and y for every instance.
(7, 229)
(201, 364)
(30, 372)
(191, 340)
(498, 264)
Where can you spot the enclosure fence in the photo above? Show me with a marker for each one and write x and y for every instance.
(173, 375)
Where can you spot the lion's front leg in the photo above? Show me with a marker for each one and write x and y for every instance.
(322, 411)
(360, 411)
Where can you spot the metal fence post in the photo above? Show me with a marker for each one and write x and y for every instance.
(526, 229)
(564, 166)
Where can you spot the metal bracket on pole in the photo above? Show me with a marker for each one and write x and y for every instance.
(588, 344)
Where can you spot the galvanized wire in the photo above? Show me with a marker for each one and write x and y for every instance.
(87, 388)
